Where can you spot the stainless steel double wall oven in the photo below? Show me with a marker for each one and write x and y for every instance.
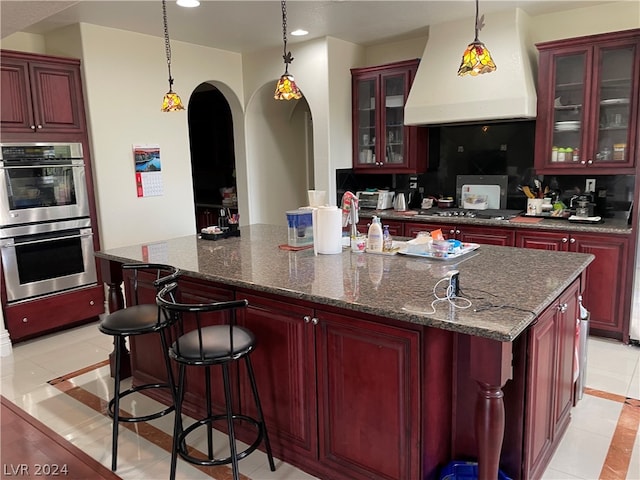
(46, 237)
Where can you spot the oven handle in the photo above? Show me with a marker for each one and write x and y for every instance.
(47, 165)
(33, 242)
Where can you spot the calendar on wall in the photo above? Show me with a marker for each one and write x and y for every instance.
(148, 170)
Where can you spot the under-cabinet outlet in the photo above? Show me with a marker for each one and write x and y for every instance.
(590, 185)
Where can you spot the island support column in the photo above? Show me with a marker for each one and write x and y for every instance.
(490, 368)
(112, 276)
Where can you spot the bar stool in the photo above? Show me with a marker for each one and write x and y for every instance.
(207, 346)
(138, 319)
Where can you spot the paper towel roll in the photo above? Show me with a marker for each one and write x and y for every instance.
(327, 230)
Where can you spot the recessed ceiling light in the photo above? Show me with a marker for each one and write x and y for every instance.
(299, 33)
(188, 3)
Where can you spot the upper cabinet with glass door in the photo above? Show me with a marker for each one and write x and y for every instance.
(588, 91)
(381, 141)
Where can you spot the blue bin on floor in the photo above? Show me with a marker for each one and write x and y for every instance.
(458, 470)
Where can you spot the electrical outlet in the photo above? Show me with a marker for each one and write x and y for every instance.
(590, 185)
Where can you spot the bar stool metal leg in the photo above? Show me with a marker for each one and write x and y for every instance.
(263, 424)
(177, 423)
(232, 436)
(116, 410)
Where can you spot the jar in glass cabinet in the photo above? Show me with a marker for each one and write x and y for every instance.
(588, 103)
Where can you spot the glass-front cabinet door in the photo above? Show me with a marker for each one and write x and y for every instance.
(394, 97)
(366, 121)
(588, 103)
(381, 141)
(614, 85)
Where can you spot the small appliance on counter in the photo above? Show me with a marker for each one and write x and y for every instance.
(378, 200)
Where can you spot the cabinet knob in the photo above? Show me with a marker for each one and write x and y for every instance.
(565, 239)
(39, 127)
(583, 162)
(32, 127)
(314, 321)
(562, 307)
(452, 231)
(25, 320)
(306, 318)
(91, 302)
(572, 240)
(457, 232)
(590, 162)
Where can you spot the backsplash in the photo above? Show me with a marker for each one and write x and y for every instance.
(492, 149)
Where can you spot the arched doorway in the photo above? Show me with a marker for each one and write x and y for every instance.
(213, 161)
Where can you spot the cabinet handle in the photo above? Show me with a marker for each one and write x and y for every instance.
(25, 320)
(565, 239)
(306, 319)
(562, 307)
(573, 240)
(314, 321)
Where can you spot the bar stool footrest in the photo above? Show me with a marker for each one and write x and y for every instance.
(145, 418)
(182, 449)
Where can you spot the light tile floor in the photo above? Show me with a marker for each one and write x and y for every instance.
(589, 450)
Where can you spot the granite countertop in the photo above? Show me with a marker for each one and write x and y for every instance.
(611, 225)
(508, 287)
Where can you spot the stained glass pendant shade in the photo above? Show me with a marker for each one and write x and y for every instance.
(171, 101)
(476, 59)
(286, 89)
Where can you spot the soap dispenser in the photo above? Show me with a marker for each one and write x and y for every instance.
(374, 236)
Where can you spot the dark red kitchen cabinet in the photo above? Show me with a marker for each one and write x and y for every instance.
(550, 375)
(367, 374)
(33, 318)
(588, 96)
(486, 235)
(606, 277)
(466, 233)
(284, 364)
(40, 94)
(381, 141)
(322, 375)
(396, 228)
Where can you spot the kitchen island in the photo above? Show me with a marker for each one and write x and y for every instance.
(363, 375)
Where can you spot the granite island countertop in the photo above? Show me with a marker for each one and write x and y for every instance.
(617, 226)
(507, 287)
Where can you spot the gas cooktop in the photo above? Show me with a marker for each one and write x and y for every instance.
(494, 214)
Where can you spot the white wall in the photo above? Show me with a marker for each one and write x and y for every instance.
(125, 77)
(586, 21)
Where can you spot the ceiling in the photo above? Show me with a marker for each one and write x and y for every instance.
(246, 25)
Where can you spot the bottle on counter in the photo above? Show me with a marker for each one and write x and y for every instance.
(374, 235)
(387, 241)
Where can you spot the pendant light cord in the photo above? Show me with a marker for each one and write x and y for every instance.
(286, 55)
(167, 45)
(477, 29)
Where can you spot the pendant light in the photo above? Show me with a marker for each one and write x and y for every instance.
(476, 59)
(286, 89)
(171, 101)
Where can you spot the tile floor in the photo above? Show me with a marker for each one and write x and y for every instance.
(602, 440)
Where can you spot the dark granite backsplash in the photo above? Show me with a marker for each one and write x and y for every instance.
(492, 149)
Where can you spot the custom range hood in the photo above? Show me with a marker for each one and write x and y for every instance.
(439, 96)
